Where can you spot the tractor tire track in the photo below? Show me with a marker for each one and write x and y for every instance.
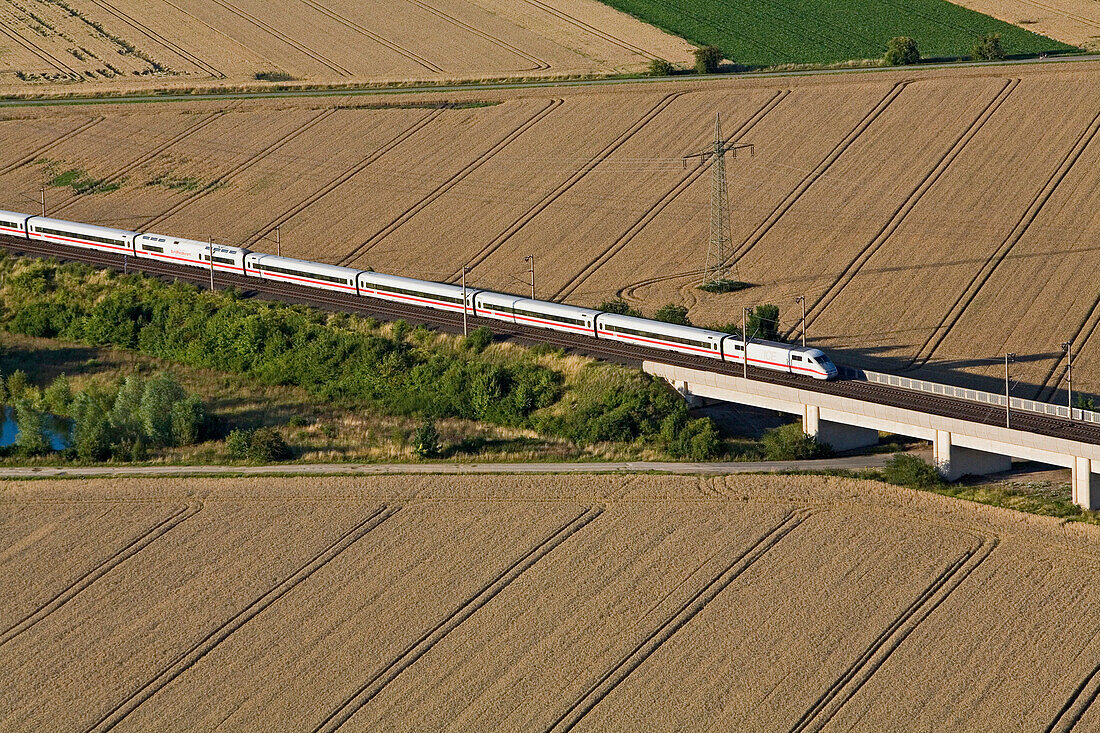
(1065, 14)
(279, 35)
(614, 676)
(575, 178)
(135, 546)
(451, 182)
(951, 318)
(344, 177)
(671, 195)
(33, 155)
(875, 655)
(902, 211)
(1071, 712)
(1081, 336)
(217, 31)
(175, 48)
(590, 29)
(188, 659)
(238, 169)
(790, 199)
(538, 64)
(145, 158)
(49, 59)
(464, 611)
(366, 32)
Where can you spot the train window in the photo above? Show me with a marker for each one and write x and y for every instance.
(287, 271)
(404, 291)
(87, 237)
(796, 357)
(738, 347)
(227, 261)
(152, 248)
(663, 337)
(11, 224)
(559, 319)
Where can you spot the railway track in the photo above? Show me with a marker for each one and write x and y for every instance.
(604, 350)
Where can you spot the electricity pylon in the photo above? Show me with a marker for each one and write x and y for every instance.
(716, 270)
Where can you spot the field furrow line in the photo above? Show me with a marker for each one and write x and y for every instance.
(135, 546)
(50, 59)
(185, 661)
(591, 29)
(539, 64)
(215, 30)
(1081, 336)
(941, 331)
(279, 35)
(875, 655)
(145, 158)
(367, 33)
(471, 605)
(33, 155)
(1064, 13)
(344, 177)
(819, 170)
(575, 178)
(905, 207)
(653, 211)
(1070, 714)
(238, 169)
(175, 48)
(683, 615)
(453, 181)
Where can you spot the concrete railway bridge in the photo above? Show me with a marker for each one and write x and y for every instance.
(966, 428)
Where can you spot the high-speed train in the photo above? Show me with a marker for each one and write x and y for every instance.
(440, 296)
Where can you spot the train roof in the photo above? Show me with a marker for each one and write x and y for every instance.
(79, 228)
(411, 283)
(14, 216)
(303, 265)
(547, 306)
(670, 329)
(197, 244)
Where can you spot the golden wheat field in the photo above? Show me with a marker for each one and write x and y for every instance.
(933, 219)
(538, 603)
(1076, 22)
(67, 46)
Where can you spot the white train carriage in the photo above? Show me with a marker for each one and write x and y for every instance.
(13, 223)
(440, 296)
(779, 357)
(72, 233)
(658, 335)
(190, 252)
(538, 313)
(301, 272)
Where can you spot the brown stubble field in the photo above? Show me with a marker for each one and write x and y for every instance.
(1076, 22)
(539, 603)
(89, 46)
(933, 220)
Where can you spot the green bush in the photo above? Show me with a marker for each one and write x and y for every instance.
(672, 313)
(17, 385)
(263, 445)
(988, 48)
(32, 439)
(188, 420)
(707, 59)
(426, 440)
(478, 340)
(58, 397)
(620, 307)
(763, 323)
(905, 469)
(789, 443)
(239, 444)
(1084, 402)
(660, 67)
(901, 51)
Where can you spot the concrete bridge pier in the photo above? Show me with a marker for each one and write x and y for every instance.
(1085, 483)
(838, 436)
(955, 461)
(693, 400)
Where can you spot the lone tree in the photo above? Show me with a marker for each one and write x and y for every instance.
(660, 67)
(988, 48)
(707, 59)
(901, 51)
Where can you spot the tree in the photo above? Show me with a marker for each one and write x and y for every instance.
(188, 419)
(17, 384)
(901, 51)
(620, 307)
(707, 59)
(238, 443)
(789, 443)
(426, 441)
(672, 313)
(988, 48)
(58, 396)
(267, 444)
(660, 67)
(161, 393)
(33, 439)
(763, 322)
(91, 427)
(125, 414)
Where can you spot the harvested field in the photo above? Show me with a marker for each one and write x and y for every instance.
(541, 603)
(932, 219)
(1076, 22)
(84, 46)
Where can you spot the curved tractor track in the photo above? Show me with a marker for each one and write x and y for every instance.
(601, 349)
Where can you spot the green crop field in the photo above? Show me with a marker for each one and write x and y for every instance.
(760, 34)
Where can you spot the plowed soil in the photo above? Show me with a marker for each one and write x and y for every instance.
(538, 603)
(932, 219)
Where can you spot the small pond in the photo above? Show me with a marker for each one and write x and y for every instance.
(59, 430)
